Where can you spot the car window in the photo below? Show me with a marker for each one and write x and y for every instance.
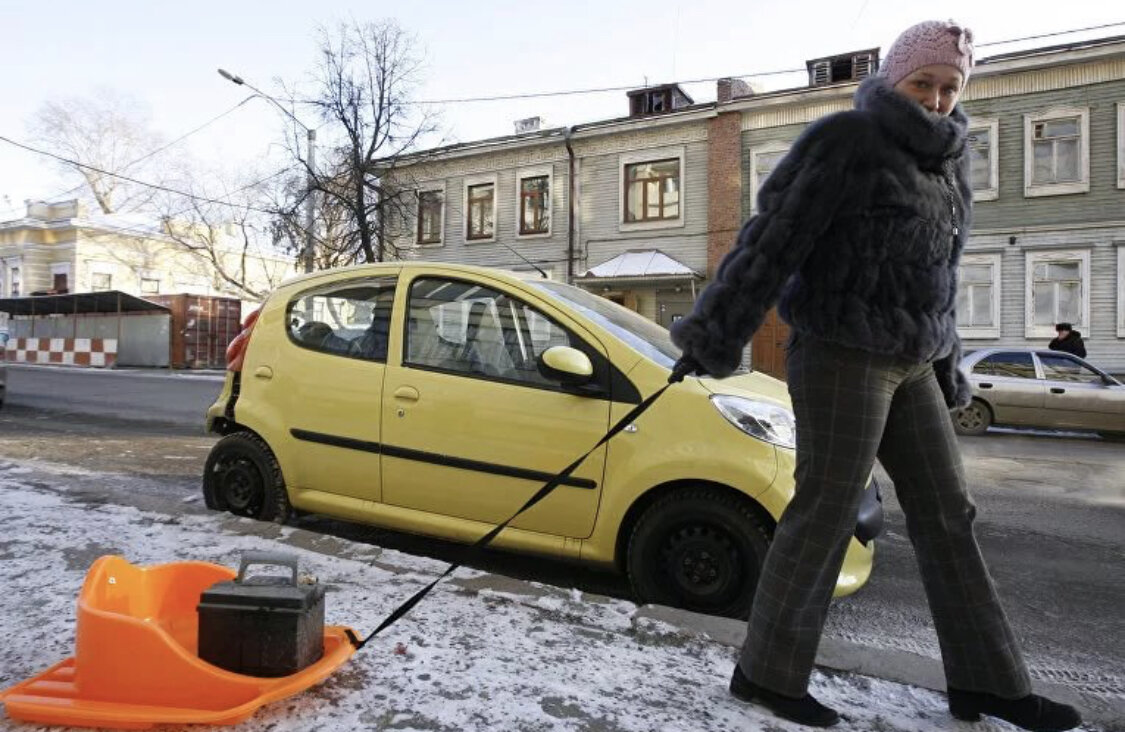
(469, 329)
(1017, 365)
(1061, 368)
(351, 318)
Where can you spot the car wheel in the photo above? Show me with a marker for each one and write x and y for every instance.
(242, 476)
(698, 549)
(974, 419)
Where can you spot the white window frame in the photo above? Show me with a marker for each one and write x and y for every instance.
(469, 182)
(547, 171)
(1031, 258)
(150, 276)
(647, 156)
(94, 267)
(1056, 189)
(431, 188)
(14, 263)
(755, 184)
(993, 126)
(992, 331)
(1121, 144)
(1121, 290)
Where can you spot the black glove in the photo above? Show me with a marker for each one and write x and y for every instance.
(685, 367)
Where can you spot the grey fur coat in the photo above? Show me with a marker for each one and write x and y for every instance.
(858, 237)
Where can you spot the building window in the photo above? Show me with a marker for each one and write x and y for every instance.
(1121, 290)
(480, 221)
(978, 296)
(763, 161)
(535, 205)
(652, 191)
(1057, 152)
(100, 281)
(150, 286)
(1121, 144)
(14, 281)
(984, 160)
(1057, 291)
(431, 216)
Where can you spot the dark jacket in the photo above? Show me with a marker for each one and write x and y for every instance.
(859, 233)
(1071, 344)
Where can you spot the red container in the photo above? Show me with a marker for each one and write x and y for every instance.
(202, 326)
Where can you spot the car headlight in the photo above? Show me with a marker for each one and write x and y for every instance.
(763, 420)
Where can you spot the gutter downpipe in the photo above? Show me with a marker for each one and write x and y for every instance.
(571, 205)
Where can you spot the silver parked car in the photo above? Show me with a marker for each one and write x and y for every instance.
(1031, 387)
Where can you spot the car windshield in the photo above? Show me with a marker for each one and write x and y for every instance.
(636, 330)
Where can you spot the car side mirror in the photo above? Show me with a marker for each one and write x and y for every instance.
(566, 364)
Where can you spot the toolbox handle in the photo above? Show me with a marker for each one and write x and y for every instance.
(280, 559)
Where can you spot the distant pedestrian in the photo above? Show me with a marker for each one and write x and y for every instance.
(1068, 340)
(859, 233)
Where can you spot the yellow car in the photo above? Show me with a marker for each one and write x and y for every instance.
(436, 399)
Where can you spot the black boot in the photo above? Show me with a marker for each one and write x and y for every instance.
(1032, 712)
(804, 710)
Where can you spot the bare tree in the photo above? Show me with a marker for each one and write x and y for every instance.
(109, 131)
(230, 231)
(362, 89)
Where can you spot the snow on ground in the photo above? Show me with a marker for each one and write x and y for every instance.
(474, 659)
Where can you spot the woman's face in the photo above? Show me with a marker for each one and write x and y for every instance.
(936, 87)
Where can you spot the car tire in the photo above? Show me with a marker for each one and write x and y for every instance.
(242, 476)
(699, 549)
(973, 420)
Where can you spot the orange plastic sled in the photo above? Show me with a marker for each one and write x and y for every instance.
(135, 662)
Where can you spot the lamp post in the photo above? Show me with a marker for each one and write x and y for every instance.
(310, 192)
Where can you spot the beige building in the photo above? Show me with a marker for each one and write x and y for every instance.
(62, 247)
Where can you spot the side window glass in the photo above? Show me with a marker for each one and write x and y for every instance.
(1016, 365)
(1061, 368)
(350, 318)
(468, 329)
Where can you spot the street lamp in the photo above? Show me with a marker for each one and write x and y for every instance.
(310, 193)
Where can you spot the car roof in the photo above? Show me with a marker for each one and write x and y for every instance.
(970, 359)
(377, 268)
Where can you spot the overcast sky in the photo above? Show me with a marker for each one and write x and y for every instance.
(165, 55)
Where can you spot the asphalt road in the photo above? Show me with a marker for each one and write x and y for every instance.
(1051, 516)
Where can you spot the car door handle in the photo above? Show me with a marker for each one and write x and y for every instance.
(985, 385)
(407, 394)
(263, 372)
(1057, 390)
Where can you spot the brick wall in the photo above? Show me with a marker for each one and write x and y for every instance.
(724, 186)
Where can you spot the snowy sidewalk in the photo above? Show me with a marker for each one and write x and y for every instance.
(477, 657)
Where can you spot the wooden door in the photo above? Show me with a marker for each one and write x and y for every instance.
(767, 348)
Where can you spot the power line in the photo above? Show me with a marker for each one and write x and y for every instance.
(154, 186)
(1051, 35)
(757, 74)
(160, 149)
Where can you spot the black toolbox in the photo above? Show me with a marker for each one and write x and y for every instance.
(263, 625)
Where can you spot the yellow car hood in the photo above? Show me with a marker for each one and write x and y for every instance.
(752, 385)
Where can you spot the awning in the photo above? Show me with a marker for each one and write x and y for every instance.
(639, 265)
(109, 301)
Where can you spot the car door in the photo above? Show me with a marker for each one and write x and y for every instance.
(472, 429)
(327, 383)
(1078, 396)
(1007, 381)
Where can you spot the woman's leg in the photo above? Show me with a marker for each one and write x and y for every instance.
(841, 398)
(922, 457)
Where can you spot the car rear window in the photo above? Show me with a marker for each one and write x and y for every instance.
(1016, 365)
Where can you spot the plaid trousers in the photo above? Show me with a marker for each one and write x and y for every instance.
(851, 407)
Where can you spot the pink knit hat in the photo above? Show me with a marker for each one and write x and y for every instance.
(929, 42)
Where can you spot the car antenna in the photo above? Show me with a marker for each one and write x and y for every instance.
(527, 261)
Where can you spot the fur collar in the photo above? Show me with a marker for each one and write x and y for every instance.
(932, 139)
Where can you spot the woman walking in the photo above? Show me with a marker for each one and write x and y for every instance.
(860, 231)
